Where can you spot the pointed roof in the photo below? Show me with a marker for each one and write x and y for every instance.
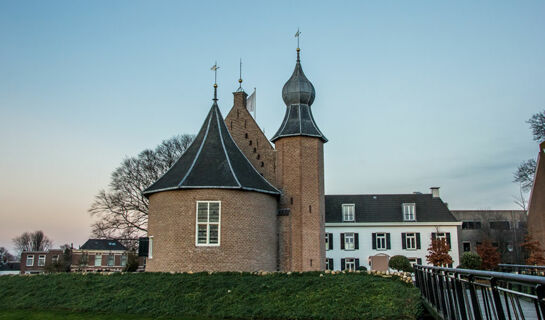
(298, 94)
(212, 161)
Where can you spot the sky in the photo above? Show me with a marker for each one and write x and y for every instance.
(410, 94)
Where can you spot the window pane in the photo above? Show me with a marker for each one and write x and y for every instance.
(213, 234)
(98, 260)
(202, 212)
(201, 238)
(123, 260)
(214, 212)
(111, 260)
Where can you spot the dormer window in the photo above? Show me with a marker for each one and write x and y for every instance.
(348, 212)
(409, 212)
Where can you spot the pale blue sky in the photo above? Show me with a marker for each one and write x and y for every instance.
(411, 94)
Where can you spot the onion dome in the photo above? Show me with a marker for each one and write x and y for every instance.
(212, 161)
(298, 94)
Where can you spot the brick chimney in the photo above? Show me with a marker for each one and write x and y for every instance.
(434, 192)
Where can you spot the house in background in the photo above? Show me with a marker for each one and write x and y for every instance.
(366, 230)
(99, 255)
(36, 262)
(505, 229)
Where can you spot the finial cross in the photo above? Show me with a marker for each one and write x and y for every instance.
(297, 35)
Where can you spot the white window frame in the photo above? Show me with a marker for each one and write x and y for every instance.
(30, 257)
(327, 242)
(352, 236)
(208, 224)
(441, 235)
(413, 261)
(350, 262)
(41, 260)
(349, 216)
(111, 258)
(123, 260)
(327, 264)
(409, 211)
(150, 247)
(381, 237)
(410, 241)
(55, 258)
(96, 260)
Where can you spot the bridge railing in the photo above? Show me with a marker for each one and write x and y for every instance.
(523, 269)
(475, 294)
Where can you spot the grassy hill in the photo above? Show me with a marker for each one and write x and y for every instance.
(219, 295)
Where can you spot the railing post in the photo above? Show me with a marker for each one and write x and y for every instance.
(474, 301)
(540, 292)
(460, 293)
(497, 299)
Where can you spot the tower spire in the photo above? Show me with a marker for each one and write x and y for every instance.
(215, 69)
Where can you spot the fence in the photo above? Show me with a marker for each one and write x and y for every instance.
(522, 269)
(474, 294)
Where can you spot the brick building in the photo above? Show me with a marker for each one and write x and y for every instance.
(99, 255)
(536, 205)
(35, 262)
(234, 202)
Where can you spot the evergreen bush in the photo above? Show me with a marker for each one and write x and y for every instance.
(400, 263)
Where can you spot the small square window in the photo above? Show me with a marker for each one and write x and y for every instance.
(348, 212)
(466, 246)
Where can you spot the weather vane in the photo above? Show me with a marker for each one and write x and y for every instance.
(297, 34)
(215, 69)
(240, 75)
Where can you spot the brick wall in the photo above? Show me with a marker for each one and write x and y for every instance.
(248, 235)
(300, 173)
(536, 208)
(250, 139)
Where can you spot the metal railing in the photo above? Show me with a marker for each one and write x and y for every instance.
(475, 294)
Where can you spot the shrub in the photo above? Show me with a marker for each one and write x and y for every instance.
(362, 268)
(400, 263)
(470, 260)
(132, 262)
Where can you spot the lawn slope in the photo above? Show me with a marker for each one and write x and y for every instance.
(218, 295)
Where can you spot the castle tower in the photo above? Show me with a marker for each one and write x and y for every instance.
(300, 175)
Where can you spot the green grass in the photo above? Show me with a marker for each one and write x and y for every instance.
(65, 315)
(219, 295)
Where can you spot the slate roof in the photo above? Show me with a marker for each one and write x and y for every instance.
(103, 244)
(213, 161)
(387, 207)
(298, 94)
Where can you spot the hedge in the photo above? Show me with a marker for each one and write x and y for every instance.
(218, 295)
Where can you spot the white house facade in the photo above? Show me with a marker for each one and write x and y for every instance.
(366, 230)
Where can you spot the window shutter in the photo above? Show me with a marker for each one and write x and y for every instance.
(433, 235)
(342, 264)
(342, 241)
(143, 246)
(403, 241)
(330, 235)
(357, 264)
(419, 261)
(374, 240)
(418, 246)
(331, 267)
(388, 243)
(448, 238)
(356, 241)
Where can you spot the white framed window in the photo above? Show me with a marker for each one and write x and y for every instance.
(327, 244)
(381, 241)
(208, 223)
(409, 211)
(350, 264)
(349, 241)
(55, 259)
(410, 241)
(329, 264)
(150, 247)
(41, 260)
(30, 260)
(123, 260)
(348, 212)
(441, 235)
(98, 260)
(111, 260)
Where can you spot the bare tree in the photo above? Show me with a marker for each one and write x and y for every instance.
(122, 210)
(32, 241)
(521, 200)
(537, 124)
(5, 256)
